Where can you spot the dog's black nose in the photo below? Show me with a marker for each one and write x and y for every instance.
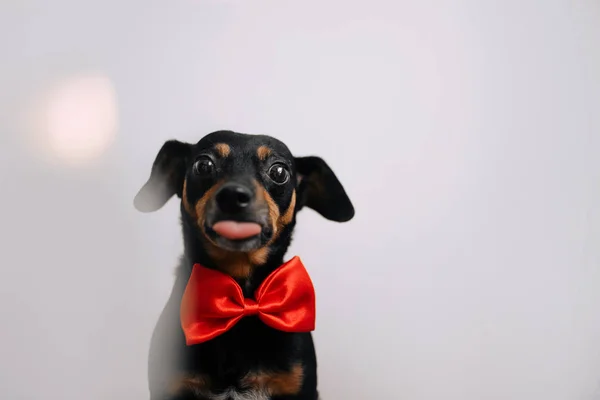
(233, 198)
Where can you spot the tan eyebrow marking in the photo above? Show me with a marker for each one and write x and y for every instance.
(223, 149)
(263, 152)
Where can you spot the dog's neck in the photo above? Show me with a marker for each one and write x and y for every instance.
(195, 252)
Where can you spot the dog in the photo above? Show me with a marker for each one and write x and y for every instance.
(240, 194)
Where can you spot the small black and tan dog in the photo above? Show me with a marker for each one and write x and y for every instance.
(239, 197)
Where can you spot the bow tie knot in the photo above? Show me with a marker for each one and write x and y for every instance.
(251, 307)
(213, 302)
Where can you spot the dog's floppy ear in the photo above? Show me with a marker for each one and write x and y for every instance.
(320, 189)
(166, 177)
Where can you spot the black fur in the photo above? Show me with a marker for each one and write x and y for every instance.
(250, 345)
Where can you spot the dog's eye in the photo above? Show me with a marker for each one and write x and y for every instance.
(279, 174)
(204, 166)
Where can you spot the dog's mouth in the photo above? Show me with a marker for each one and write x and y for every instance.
(241, 236)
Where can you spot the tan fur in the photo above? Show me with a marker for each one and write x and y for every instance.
(274, 213)
(263, 152)
(287, 217)
(277, 383)
(200, 207)
(238, 265)
(278, 221)
(188, 383)
(223, 149)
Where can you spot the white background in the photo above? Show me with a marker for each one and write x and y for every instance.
(465, 132)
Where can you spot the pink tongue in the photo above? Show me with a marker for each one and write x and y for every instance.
(233, 230)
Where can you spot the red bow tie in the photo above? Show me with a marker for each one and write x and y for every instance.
(213, 302)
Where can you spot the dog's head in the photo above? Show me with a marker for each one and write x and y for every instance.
(240, 194)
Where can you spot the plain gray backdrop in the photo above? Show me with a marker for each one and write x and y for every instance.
(465, 132)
